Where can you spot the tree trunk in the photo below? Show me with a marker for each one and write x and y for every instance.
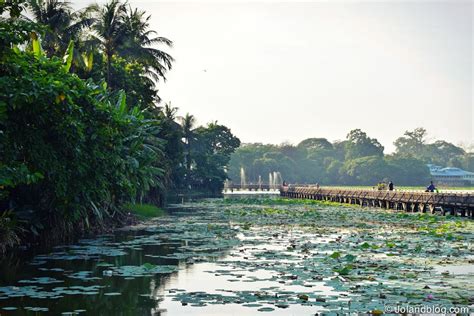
(109, 63)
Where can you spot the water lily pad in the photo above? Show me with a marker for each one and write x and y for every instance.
(37, 309)
(143, 270)
(252, 305)
(41, 280)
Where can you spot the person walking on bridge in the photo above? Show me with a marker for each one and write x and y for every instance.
(390, 186)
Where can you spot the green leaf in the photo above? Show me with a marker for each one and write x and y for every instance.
(88, 60)
(345, 270)
(122, 102)
(349, 258)
(38, 175)
(335, 255)
(36, 45)
(148, 266)
(16, 50)
(68, 56)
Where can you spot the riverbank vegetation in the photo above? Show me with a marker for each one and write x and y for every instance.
(81, 129)
(357, 160)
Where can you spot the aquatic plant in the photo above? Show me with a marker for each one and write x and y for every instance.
(143, 210)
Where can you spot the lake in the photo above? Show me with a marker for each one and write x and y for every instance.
(250, 256)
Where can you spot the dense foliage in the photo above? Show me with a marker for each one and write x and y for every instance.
(211, 146)
(81, 134)
(358, 160)
(69, 148)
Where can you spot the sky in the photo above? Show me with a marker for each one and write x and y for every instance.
(283, 71)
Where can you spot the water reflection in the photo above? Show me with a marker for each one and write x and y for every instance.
(222, 267)
(29, 282)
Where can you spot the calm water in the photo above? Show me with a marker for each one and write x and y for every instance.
(81, 273)
(194, 261)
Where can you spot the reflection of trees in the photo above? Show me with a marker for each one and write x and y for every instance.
(130, 302)
(139, 295)
(10, 265)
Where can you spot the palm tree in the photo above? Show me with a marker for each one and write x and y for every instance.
(169, 111)
(123, 31)
(109, 30)
(138, 42)
(187, 124)
(62, 24)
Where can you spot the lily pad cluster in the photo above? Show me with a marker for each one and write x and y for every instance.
(368, 258)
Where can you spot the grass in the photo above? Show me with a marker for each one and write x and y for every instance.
(144, 210)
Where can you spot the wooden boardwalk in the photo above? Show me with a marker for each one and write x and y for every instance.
(461, 204)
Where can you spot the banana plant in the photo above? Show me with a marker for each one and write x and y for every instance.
(68, 56)
(121, 104)
(39, 53)
(88, 60)
(36, 45)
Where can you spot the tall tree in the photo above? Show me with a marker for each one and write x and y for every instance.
(412, 143)
(61, 24)
(121, 30)
(315, 143)
(407, 170)
(174, 148)
(109, 30)
(139, 42)
(187, 124)
(444, 153)
(211, 153)
(366, 170)
(360, 145)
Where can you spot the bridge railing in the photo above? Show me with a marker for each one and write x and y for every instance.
(401, 189)
(419, 196)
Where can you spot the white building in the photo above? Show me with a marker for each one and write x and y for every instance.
(451, 176)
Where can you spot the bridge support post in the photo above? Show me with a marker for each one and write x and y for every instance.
(432, 208)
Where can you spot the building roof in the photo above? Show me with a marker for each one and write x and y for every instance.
(448, 171)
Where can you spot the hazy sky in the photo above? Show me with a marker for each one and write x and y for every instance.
(288, 70)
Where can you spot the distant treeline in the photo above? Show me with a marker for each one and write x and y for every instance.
(357, 160)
